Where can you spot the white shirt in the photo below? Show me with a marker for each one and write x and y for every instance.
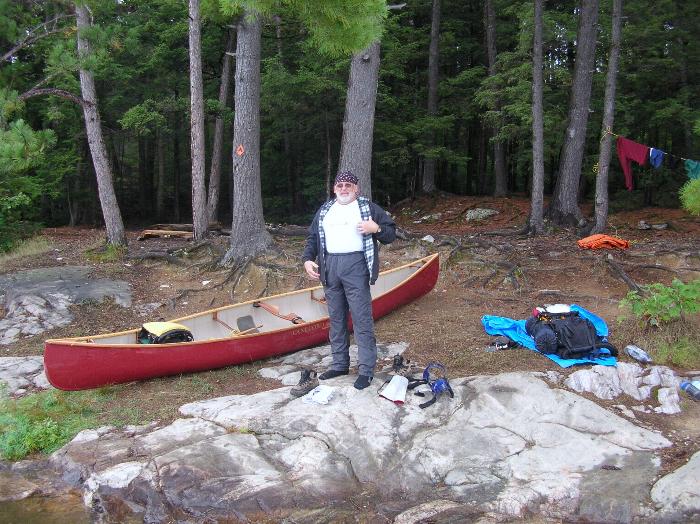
(340, 228)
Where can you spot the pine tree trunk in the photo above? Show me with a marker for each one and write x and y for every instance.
(290, 170)
(215, 171)
(103, 172)
(433, 75)
(200, 223)
(601, 182)
(499, 163)
(248, 234)
(143, 173)
(177, 170)
(358, 123)
(564, 209)
(160, 188)
(481, 164)
(685, 94)
(536, 225)
(329, 157)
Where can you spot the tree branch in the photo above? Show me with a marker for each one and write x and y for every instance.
(51, 91)
(47, 28)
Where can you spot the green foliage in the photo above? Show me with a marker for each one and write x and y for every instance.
(107, 253)
(143, 118)
(690, 197)
(139, 49)
(684, 352)
(660, 304)
(32, 246)
(42, 423)
(337, 27)
(22, 150)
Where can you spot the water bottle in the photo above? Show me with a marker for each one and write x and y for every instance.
(690, 389)
(638, 354)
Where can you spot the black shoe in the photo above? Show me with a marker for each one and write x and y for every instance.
(332, 373)
(307, 382)
(362, 382)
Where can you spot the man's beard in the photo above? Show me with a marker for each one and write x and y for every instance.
(346, 199)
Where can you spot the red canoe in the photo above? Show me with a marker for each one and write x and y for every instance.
(225, 336)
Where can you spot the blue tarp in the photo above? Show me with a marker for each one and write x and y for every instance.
(515, 330)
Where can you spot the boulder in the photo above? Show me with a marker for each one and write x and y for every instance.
(677, 495)
(609, 382)
(19, 373)
(480, 214)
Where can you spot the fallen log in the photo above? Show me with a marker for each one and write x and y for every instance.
(214, 226)
(156, 233)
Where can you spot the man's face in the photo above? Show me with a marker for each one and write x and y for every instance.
(345, 192)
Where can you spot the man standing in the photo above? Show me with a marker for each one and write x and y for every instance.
(342, 251)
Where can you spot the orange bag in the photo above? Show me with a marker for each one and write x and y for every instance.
(602, 241)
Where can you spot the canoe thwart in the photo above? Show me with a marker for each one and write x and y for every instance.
(251, 331)
(275, 310)
(321, 300)
(215, 316)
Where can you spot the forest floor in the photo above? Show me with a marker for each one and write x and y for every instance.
(483, 271)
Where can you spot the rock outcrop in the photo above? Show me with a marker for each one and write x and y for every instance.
(507, 446)
(20, 374)
(37, 300)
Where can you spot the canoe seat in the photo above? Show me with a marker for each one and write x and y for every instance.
(246, 326)
(275, 310)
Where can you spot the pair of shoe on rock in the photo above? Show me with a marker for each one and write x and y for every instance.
(309, 380)
(361, 383)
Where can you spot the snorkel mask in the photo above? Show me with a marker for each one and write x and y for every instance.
(435, 376)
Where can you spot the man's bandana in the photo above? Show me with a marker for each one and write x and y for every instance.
(346, 176)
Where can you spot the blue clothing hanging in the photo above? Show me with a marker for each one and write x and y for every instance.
(656, 157)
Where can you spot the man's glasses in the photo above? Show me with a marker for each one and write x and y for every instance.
(344, 185)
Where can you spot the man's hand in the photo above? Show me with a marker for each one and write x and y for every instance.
(367, 227)
(311, 268)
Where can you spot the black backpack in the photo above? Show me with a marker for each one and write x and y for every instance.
(568, 335)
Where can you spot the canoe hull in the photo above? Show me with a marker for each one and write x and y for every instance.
(72, 365)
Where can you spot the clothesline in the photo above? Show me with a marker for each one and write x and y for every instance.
(629, 151)
(608, 131)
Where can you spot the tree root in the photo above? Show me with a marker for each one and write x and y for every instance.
(189, 250)
(157, 255)
(241, 271)
(662, 268)
(624, 276)
(512, 269)
(521, 231)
